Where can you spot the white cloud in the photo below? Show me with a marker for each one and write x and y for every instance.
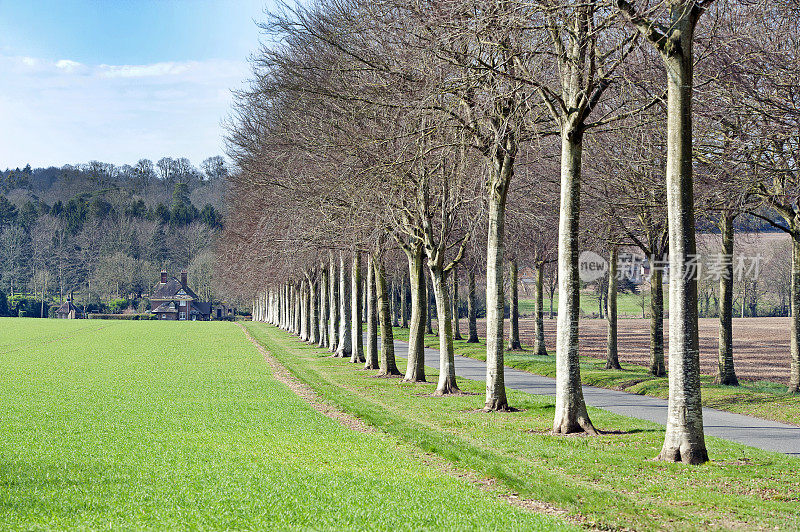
(141, 71)
(68, 112)
(68, 65)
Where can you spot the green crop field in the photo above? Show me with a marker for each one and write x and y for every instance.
(153, 425)
(628, 305)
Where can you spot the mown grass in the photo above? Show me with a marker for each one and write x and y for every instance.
(610, 480)
(762, 399)
(153, 425)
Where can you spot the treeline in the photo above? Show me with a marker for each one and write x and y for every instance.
(479, 136)
(104, 232)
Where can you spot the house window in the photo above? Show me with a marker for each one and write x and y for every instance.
(183, 315)
(183, 303)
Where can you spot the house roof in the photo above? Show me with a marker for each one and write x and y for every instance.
(168, 307)
(172, 289)
(201, 307)
(66, 307)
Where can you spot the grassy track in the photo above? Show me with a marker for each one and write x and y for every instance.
(611, 480)
(763, 399)
(153, 425)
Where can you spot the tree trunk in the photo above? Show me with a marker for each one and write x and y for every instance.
(612, 355)
(792, 285)
(295, 309)
(456, 326)
(794, 377)
(404, 303)
(313, 314)
(657, 366)
(727, 373)
(570, 412)
(447, 368)
(282, 306)
(538, 312)
(495, 251)
(600, 313)
(684, 440)
(372, 318)
(429, 311)
(388, 365)
(395, 309)
(289, 300)
(513, 341)
(472, 311)
(415, 369)
(44, 289)
(345, 347)
(303, 314)
(333, 306)
(357, 341)
(322, 331)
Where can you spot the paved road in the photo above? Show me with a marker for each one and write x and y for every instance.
(755, 432)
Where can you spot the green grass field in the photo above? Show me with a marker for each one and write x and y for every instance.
(763, 399)
(610, 481)
(628, 305)
(152, 425)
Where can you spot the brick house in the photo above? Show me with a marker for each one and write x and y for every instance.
(68, 311)
(172, 299)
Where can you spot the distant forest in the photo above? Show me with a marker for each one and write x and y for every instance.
(104, 232)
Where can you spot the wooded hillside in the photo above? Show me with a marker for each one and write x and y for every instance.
(104, 232)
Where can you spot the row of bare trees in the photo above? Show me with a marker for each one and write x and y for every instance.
(383, 127)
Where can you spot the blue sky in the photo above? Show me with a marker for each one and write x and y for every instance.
(120, 80)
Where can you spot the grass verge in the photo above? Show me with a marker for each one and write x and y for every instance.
(767, 400)
(610, 481)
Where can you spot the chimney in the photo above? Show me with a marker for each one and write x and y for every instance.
(163, 276)
(183, 278)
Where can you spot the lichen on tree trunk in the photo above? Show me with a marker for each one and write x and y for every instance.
(684, 440)
(456, 325)
(388, 364)
(502, 168)
(415, 369)
(447, 371)
(570, 411)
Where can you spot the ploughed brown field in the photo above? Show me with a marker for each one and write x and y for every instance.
(761, 345)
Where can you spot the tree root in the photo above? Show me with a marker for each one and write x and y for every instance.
(575, 426)
(689, 456)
